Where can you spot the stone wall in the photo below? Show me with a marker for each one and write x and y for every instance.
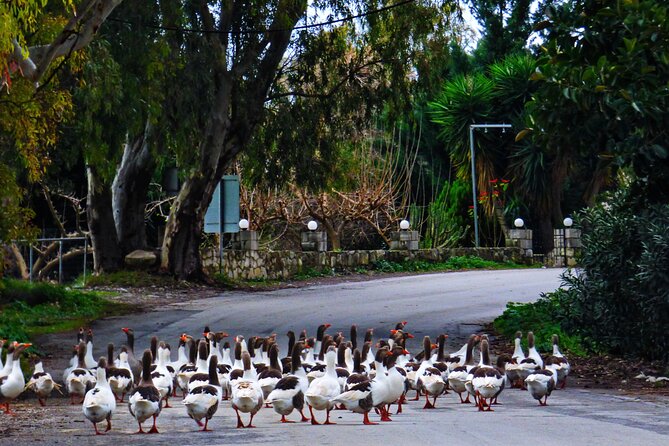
(275, 265)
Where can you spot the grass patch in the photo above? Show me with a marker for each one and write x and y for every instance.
(543, 318)
(33, 309)
(126, 278)
(455, 263)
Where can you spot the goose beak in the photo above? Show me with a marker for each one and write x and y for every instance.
(405, 352)
(392, 332)
(27, 344)
(404, 322)
(410, 336)
(328, 325)
(124, 329)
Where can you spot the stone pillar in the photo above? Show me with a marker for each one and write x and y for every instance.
(572, 238)
(521, 238)
(315, 241)
(245, 240)
(404, 240)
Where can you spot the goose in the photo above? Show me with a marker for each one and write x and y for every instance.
(268, 378)
(513, 370)
(187, 370)
(395, 381)
(457, 376)
(541, 383)
(342, 368)
(366, 395)
(182, 357)
(12, 385)
(319, 336)
(460, 358)
(202, 401)
(145, 399)
(323, 390)
(353, 334)
(560, 362)
(317, 370)
(439, 361)
(427, 379)
(532, 352)
(120, 378)
(100, 402)
(41, 383)
(7, 368)
(227, 360)
(161, 376)
(288, 393)
(80, 379)
(72, 364)
(531, 363)
(89, 360)
(247, 395)
(487, 381)
(368, 359)
(135, 365)
(286, 361)
(358, 374)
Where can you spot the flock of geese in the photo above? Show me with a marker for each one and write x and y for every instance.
(321, 374)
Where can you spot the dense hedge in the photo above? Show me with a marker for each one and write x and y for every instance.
(619, 301)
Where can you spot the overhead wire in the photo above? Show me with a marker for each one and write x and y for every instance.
(266, 30)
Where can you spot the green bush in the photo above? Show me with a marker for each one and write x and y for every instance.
(620, 300)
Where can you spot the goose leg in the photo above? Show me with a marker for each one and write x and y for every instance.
(154, 429)
(108, 423)
(303, 417)
(285, 420)
(250, 425)
(239, 419)
(140, 431)
(366, 420)
(41, 402)
(327, 417)
(427, 405)
(313, 418)
(204, 429)
(97, 432)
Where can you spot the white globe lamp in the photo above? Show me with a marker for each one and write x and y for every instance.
(567, 222)
(518, 222)
(243, 224)
(312, 225)
(404, 225)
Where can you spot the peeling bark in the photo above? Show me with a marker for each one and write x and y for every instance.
(129, 192)
(107, 255)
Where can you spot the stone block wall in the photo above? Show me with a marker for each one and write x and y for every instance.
(277, 265)
(567, 247)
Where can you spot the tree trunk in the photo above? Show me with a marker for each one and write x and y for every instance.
(129, 192)
(107, 255)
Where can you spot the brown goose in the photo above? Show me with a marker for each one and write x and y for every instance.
(288, 394)
(120, 377)
(80, 379)
(144, 401)
(487, 381)
(268, 378)
(135, 365)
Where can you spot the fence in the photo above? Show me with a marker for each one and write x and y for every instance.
(50, 253)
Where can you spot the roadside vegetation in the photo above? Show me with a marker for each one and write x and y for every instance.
(29, 309)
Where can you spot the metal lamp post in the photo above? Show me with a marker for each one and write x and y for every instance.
(472, 127)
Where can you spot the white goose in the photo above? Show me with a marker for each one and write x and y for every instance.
(202, 401)
(288, 393)
(90, 361)
(513, 370)
(428, 378)
(41, 383)
(247, 395)
(161, 376)
(100, 402)
(268, 378)
(323, 390)
(12, 385)
(144, 401)
(531, 363)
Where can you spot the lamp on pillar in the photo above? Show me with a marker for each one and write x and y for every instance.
(404, 225)
(245, 239)
(404, 238)
(518, 223)
(314, 240)
(567, 223)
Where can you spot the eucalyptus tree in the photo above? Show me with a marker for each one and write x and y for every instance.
(36, 38)
(260, 52)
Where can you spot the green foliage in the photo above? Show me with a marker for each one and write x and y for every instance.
(543, 317)
(447, 218)
(620, 302)
(454, 263)
(31, 309)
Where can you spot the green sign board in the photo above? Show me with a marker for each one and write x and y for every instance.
(223, 212)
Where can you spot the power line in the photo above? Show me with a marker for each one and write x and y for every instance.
(262, 31)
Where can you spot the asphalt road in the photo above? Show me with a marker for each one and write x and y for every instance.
(456, 303)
